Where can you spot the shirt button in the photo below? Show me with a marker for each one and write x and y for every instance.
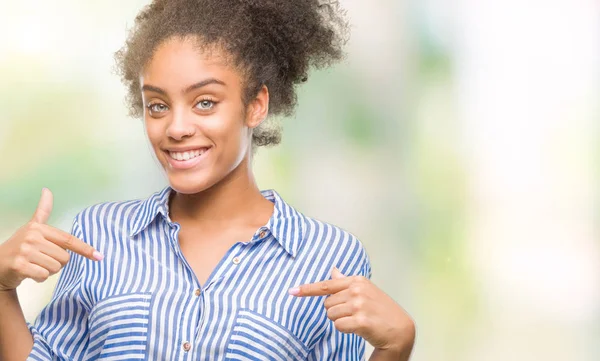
(262, 234)
(236, 260)
(187, 346)
(197, 292)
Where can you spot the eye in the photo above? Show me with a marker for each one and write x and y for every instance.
(205, 104)
(156, 108)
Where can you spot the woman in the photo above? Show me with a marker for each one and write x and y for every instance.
(210, 267)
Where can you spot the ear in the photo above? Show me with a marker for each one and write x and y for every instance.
(258, 109)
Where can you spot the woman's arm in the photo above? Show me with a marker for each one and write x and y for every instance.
(16, 341)
(35, 251)
(391, 355)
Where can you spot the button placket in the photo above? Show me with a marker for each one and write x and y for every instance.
(188, 336)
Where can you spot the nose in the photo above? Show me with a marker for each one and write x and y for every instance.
(181, 126)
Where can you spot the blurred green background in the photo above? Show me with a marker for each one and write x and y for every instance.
(458, 141)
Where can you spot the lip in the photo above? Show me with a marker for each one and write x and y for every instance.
(185, 164)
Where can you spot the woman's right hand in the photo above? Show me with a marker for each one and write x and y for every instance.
(38, 250)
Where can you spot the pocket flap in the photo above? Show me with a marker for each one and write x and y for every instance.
(256, 337)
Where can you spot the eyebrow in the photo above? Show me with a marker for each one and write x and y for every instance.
(195, 86)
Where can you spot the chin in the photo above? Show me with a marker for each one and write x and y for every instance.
(189, 184)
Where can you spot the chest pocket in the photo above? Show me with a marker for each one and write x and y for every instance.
(118, 328)
(256, 337)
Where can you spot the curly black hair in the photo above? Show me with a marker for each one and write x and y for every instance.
(271, 42)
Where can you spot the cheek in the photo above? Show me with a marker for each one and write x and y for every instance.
(226, 130)
(153, 131)
(237, 141)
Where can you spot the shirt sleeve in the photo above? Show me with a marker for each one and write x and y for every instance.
(60, 331)
(338, 346)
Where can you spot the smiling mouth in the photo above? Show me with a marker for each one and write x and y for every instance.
(184, 156)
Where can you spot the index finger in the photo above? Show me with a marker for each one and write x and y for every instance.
(323, 288)
(68, 241)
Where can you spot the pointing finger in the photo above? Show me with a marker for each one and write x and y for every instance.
(322, 288)
(54, 251)
(68, 241)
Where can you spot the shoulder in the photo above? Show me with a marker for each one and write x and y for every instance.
(124, 212)
(104, 214)
(317, 243)
(116, 221)
(330, 236)
(335, 247)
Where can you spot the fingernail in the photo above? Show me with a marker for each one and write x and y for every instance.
(98, 256)
(294, 291)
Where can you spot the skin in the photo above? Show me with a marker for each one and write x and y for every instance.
(356, 305)
(35, 251)
(193, 101)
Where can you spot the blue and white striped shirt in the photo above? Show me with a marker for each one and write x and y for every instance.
(143, 302)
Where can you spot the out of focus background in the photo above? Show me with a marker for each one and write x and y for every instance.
(458, 141)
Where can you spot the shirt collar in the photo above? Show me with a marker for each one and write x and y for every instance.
(286, 224)
(158, 203)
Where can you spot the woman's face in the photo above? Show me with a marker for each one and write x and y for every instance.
(195, 118)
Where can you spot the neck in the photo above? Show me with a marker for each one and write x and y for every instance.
(235, 198)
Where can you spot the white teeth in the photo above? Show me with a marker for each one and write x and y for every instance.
(181, 156)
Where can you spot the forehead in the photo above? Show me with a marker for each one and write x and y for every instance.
(179, 61)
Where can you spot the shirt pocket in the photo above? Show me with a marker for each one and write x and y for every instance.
(256, 337)
(118, 328)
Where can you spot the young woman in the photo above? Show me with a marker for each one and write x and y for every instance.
(210, 268)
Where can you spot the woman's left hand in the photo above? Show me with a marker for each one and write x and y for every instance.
(357, 306)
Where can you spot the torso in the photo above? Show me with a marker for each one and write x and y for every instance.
(144, 301)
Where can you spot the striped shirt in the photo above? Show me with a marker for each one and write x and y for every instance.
(143, 302)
